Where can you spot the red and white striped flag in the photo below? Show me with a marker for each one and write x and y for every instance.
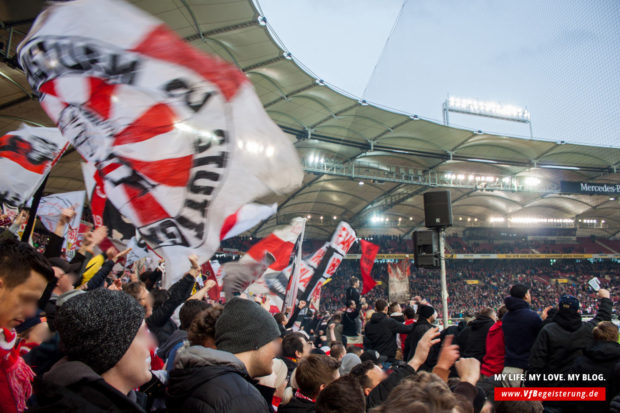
(26, 157)
(179, 137)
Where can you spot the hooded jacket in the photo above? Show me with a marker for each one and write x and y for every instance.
(560, 343)
(72, 386)
(493, 361)
(381, 333)
(418, 330)
(603, 357)
(520, 326)
(472, 340)
(208, 380)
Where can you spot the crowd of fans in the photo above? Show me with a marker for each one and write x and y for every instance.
(80, 335)
(492, 277)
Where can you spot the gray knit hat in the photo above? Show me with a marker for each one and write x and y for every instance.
(244, 326)
(98, 327)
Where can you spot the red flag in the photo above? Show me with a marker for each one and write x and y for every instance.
(207, 270)
(369, 252)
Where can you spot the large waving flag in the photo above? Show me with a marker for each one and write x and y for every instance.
(26, 157)
(313, 271)
(179, 137)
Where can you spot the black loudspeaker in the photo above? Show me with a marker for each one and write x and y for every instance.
(437, 209)
(426, 249)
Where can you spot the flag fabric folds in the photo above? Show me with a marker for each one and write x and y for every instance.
(180, 139)
(369, 252)
(26, 157)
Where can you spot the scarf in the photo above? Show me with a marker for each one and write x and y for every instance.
(19, 374)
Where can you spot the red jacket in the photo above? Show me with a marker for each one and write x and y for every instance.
(403, 336)
(493, 361)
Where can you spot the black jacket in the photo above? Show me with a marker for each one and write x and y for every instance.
(381, 334)
(352, 294)
(297, 406)
(472, 340)
(419, 329)
(159, 323)
(520, 326)
(603, 357)
(560, 343)
(72, 386)
(208, 380)
(349, 324)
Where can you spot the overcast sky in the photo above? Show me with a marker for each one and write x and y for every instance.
(559, 58)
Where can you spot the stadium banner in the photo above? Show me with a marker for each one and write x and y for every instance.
(399, 281)
(494, 256)
(26, 157)
(179, 137)
(472, 282)
(589, 188)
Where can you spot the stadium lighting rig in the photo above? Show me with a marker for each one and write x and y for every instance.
(487, 109)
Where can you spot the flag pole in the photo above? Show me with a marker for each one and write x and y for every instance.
(33, 210)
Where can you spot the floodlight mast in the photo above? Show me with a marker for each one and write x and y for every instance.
(486, 109)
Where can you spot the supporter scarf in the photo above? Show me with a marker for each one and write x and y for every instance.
(19, 374)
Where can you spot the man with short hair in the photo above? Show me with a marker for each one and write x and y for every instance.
(337, 351)
(24, 275)
(107, 346)
(521, 326)
(381, 331)
(426, 317)
(295, 347)
(204, 379)
(313, 374)
(341, 396)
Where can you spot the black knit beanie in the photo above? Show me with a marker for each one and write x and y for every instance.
(244, 326)
(98, 327)
(425, 311)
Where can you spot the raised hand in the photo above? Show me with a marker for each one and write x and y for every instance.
(121, 254)
(429, 338)
(468, 370)
(195, 269)
(449, 353)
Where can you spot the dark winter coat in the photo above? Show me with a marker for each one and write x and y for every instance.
(208, 380)
(603, 357)
(472, 340)
(381, 334)
(159, 323)
(352, 294)
(349, 324)
(72, 386)
(520, 326)
(560, 343)
(297, 406)
(419, 329)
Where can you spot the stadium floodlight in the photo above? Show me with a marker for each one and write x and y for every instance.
(570, 168)
(481, 160)
(531, 181)
(487, 109)
(493, 220)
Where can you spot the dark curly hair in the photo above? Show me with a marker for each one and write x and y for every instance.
(203, 326)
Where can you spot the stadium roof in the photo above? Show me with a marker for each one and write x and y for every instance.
(361, 161)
